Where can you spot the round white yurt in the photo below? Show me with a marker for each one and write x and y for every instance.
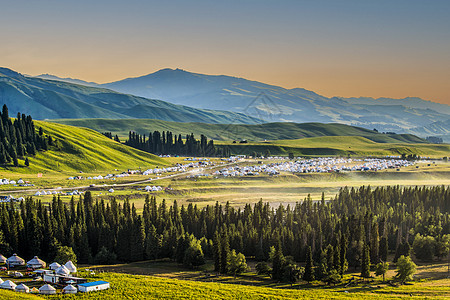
(22, 288)
(8, 285)
(62, 271)
(1, 281)
(54, 266)
(70, 289)
(71, 267)
(2, 259)
(15, 260)
(111, 190)
(36, 263)
(47, 289)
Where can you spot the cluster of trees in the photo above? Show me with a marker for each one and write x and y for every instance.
(355, 230)
(167, 143)
(19, 138)
(110, 135)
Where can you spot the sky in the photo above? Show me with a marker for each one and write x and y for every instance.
(346, 48)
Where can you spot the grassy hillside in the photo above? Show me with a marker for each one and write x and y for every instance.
(338, 145)
(147, 287)
(266, 131)
(81, 149)
(48, 99)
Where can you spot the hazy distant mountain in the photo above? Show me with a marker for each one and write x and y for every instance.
(70, 80)
(274, 103)
(50, 99)
(440, 129)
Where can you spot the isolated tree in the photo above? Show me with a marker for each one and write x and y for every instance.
(405, 268)
(292, 273)
(238, 263)
(262, 268)
(381, 269)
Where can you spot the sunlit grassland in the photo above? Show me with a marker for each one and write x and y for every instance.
(338, 145)
(81, 149)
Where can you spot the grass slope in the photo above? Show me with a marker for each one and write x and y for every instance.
(266, 131)
(82, 149)
(146, 287)
(339, 145)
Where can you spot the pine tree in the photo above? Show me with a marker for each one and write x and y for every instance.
(309, 271)
(217, 252)
(365, 263)
(278, 262)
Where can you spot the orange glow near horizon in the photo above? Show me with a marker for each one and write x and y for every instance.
(347, 48)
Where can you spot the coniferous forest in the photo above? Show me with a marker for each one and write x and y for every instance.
(166, 143)
(358, 228)
(19, 138)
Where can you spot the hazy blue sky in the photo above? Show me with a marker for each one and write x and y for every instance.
(393, 48)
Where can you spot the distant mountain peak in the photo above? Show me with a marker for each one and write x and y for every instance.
(10, 73)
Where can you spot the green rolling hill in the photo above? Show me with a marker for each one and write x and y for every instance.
(222, 132)
(81, 149)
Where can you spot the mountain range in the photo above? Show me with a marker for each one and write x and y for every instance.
(51, 99)
(276, 104)
(190, 97)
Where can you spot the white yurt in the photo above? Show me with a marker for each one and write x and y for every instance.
(71, 267)
(70, 289)
(47, 289)
(111, 190)
(8, 285)
(1, 281)
(36, 263)
(62, 271)
(2, 259)
(15, 260)
(18, 274)
(54, 266)
(22, 288)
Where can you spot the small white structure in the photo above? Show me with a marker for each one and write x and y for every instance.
(34, 291)
(22, 288)
(70, 289)
(36, 263)
(111, 190)
(8, 285)
(93, 286)
(54, 266)
(62, 271)
(1, 281)
(47, 289)
(15, 260)
(2, 259)
(71, 267)
(18, 274)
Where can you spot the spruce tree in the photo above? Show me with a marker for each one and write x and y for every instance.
(365, 263)
(309, 271)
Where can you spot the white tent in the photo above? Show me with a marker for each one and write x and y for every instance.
(54, 266)
(8, 284)
(18, 274)
(1, 281)
(22, 288)
(2, 259)
(36, 262)
(111, 190)
(70, 289)
(62, 271)
(47, 289)
(71, 267)
(15, 260)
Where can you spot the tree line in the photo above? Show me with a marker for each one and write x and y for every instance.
(166, 143)
(19, 138)
(356, 229)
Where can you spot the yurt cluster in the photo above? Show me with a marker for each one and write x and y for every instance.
(34, 276)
